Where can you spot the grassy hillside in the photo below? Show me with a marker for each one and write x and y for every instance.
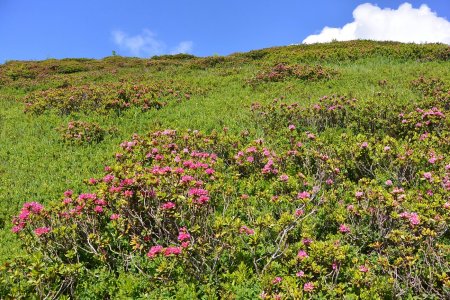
(348, 180)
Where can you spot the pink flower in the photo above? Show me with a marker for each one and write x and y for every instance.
(388, 182)
(92, 181)
(168, 205)
(98, 209)
(300, 274)
(183, 234)
(277, 280)
(308, 287)
(329, 181)
(108, 178)
(41, 230)
(359, 194)
(364, 145)
(414, 219)
(18, 228)
(302, 254)
(250, 159)
(172, 251)
(363, 269)
(246, 230)
(387, 148)
(186, 179)
(209, 171)
(311, 136)
(24, 214)
(335, 266)
(128, 193)
(115, 216)
(428, 176)
(68, 193)
(344, 228)
(154, 251)
(67, 201)
(446, 205)
(291, 127)
(303, 195)
(284, 177)
(299, 212)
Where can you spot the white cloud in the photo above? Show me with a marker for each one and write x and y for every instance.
(183, 47)
(405, 24)
(146, 44)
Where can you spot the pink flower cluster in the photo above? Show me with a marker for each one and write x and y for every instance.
(245, 230)
(27, 210)
(413, 218)
(199, 196)
(158, 249)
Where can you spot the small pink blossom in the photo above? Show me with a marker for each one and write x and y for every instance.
(154, 251)
(114, 216)
(387, 148)
(302, 254)
(388, 182)
(128, 193)
(446, 205)
(246, 230)
(303, 195)
(284, 177)
(291, 127)
(168, 205)
(364, 145)
(308, 287)
(41, 230)
(414, 219)
(172, 251)
(68, 193)
(428, 176)
(344, 228)
(250, 159)
(363, 269)
(183, 234)
(359, 194)
(277, 280)
(98, 209)
(209, 171)
(299, 212)
(300, 274)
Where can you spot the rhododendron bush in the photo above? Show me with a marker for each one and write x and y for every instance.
(365, 215)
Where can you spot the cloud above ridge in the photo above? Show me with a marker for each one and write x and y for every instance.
(147, 44)
(405, 24)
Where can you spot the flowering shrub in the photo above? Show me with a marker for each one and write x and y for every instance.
(365, 217)
(79, 132)
(281, 72)
(103, 97)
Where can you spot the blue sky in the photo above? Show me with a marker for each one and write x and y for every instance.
(40, 29)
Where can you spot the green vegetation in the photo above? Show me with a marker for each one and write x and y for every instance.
(308, 171)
